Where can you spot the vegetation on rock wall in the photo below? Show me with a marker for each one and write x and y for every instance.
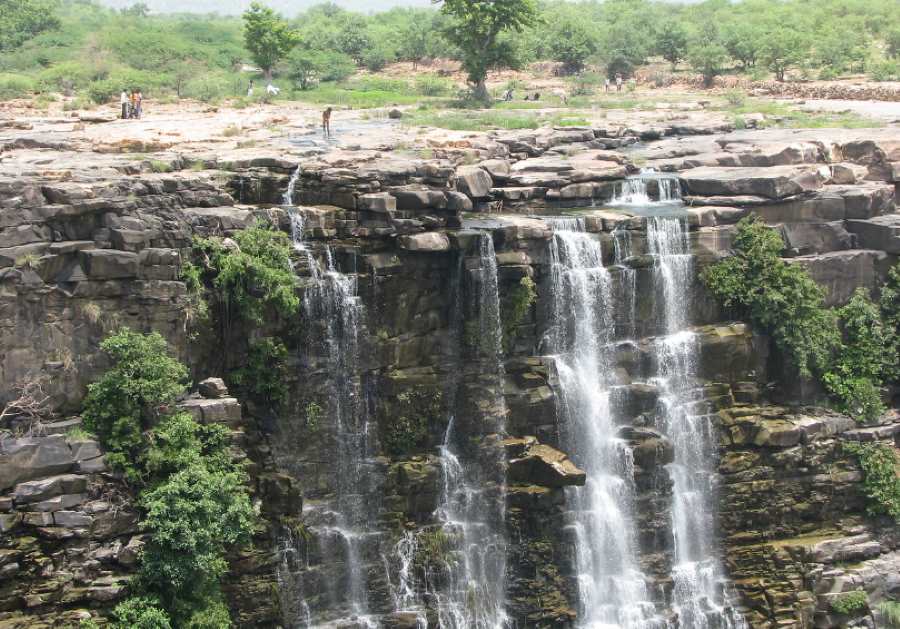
(852, 350)
(129, 398)
(406, 422)
(264, 376)
(881, 477)
(891, 612)
(850, 602)
(192, 493)
(515, 307)
(252, 272)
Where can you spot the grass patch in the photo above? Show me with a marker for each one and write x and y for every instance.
(485, 120)
(360, 95)
(781, 115)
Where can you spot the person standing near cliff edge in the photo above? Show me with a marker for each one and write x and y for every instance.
(326, 122)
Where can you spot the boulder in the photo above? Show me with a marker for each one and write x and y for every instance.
(418, 198)
(880, 232)
(213, 388)
(776, 182)
(426, 242)
(546, 466)
(214, 411)
(474, 182)
(840, 273)
(33, 457)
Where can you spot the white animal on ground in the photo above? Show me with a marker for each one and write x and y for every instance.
(561, 94)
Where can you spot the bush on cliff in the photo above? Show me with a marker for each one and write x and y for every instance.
(852, 350)
(755, 283)
(129, 397)
(254, 274)
(193, 494)
(881, 481)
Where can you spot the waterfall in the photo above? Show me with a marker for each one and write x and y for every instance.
(699, 598)
(612, 588)
(340, 526)
(638, 190)
(472, 503)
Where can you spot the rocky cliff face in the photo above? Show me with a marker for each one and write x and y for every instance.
(411, 440)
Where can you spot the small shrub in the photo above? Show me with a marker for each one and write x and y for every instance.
(405, 427)
(850, 602)
(515, 307)
(15, 86)
(255, 275)
(314, 414)
(232, 130)
(140, 612)
(264, 375)
(159, 166)
(776, 296)
(890, 610)
(433, 547)
(885, 70)
(881, 482)
(736, 98)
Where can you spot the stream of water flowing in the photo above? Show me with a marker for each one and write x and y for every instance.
(472, 503)
(613, 592)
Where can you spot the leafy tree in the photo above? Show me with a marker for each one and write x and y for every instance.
(571, 41)
(354, 38)
(138, 9)
(743, 39)
(306, 66)
(672, 42)
(709, 59)
(889, 305)
(414, 42)
(892, 39)
(129, 397)
(24, 19)
(881, 481)
(267, 37)
(477, 30)
(783, 48)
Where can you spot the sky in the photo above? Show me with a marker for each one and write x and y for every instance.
(286, 7)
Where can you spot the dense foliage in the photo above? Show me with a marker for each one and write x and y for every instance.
(192, 493)
(881, 481)
(853, 350)
(78, 47)
(128, 399)
(252, 272)
(755, 283)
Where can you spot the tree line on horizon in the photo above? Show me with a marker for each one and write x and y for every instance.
(79, 47)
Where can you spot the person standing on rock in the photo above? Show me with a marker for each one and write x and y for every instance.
(123, 100)
(606, 85)
(132, 112)
(618, 82)
(326, 122)
(250, 90)
(139, 104)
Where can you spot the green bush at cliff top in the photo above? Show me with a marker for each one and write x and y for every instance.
(850, 602)
(881, 482)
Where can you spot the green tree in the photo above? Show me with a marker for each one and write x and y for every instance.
(477, 31)
(743, 39)
(889, 305)
(306, 66)
(414, 42)
(571, 41)
(672, 42)
(783, 48)
(24, 19)
(708, 59)
(267, 37)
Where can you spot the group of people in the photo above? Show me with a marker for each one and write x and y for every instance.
(607, 85)
(132, 104)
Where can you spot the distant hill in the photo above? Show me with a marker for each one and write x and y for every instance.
(286, 7)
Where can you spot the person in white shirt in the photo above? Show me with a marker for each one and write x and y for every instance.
(250, 90)
(123, 99)
(271, 90)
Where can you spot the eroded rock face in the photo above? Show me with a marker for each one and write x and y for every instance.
(101, 244)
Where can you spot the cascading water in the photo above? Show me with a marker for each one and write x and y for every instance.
(612, 588)
(699, 598)
(341, 526)
(637, 190)
(471, 510)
